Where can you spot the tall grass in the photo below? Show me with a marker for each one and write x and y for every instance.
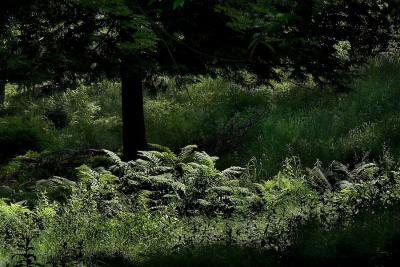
(204, 112)
(239, 124)
(209, 112)
(326, 125)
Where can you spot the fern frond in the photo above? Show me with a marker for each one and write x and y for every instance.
(318, 179)
(361, 168)
(114, 158)
(161, 148)
(205, 159)
(232, 172)
(232, 182)
(339, 167)
(160, 181)
(150, 156)
(56, 181)
(179, 187)
(259, 188)
(346, 185)
(203, 203)
(242, 191)
(187, 151)
(171, 197)
(221, 190)
(86, 174)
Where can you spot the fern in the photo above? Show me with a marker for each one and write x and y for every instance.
(56, 182)
(187, 151)
(232, 172)
(180, 179)
(317, 179)
(161, 148)
(205, 159)
(118, 165)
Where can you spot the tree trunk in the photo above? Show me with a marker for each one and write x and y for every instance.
(2, 92)
(134, 137)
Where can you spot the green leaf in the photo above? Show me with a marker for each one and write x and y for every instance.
(178, 3)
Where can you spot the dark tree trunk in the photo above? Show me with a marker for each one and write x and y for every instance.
(134, 137)
(2, 92)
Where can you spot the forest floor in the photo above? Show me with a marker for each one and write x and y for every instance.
(318, 182)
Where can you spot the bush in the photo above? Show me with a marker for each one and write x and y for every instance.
(20, 134)
(86, 117)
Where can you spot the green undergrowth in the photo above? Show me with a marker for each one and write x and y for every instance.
(232, 121)
(19, 177)
(179, 209)
(211, 112)
(324, 124)
(19, 134)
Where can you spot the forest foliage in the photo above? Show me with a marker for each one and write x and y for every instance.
(100, 101)
(166, 203)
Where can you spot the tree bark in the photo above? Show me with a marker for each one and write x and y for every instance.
(2, 92)
(134, 134)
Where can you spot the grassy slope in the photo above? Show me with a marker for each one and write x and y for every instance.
(315, 124)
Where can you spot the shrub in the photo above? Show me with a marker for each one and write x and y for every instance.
(86, 117)
(20, 134)
(189, 181)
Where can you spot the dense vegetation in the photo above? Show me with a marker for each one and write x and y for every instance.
(298, 100)
(165, 204)
(74, 202)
